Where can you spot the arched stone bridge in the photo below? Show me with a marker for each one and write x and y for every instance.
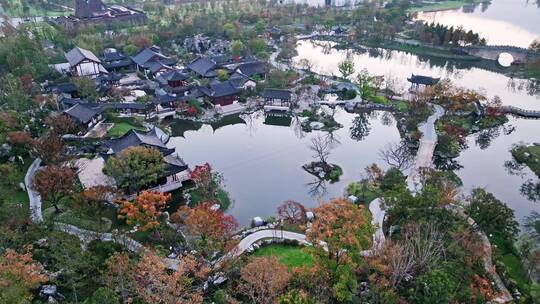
(492, 52)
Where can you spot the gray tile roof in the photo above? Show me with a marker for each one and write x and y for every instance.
(203, 66)
(277, 94)
(82, 113)
(220, 89)
(149, 55)
(253, 68)
(425, 80)
(77, 54)
(155, 138)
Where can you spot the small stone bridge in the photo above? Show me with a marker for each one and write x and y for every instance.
(531, 114)
(492, 52)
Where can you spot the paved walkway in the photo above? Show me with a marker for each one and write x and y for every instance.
(424, 156)
(35, 200)
(377, 220)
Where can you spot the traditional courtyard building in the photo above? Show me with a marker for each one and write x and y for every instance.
(221, 93)
(151, 61)
(85, 116)
(176, 170)
(84, 63)
(418, 80)
(94, 12)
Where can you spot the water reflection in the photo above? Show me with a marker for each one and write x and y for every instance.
(501, 22)
(262, 162)
(321, 3)
(483, 76)
(492, 166)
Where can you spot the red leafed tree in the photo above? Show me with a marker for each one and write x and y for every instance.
(144, 210)
(192, 111)
(155, 284)
(292, 212)
(264, 279)
(210, 225)
(344, 229)
(61, 124)
(50, 149)
(19, 138)
(494, 107)
(19, 274)
(207, 182)
(54, 183)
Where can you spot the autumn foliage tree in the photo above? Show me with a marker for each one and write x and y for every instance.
(118, 276)
(339, 231)
(493, 108)
(54, 183)
(292, 212)
(50, 149)
(19, 275)
(135, 167)
(95, 199)
(207, 181)
(61, 124)
(20, 141)
(144, 210)
(340, 228)
(210, 225)
(263, 280)
(154, 283)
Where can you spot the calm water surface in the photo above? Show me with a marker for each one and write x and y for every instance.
(485, 166)
(400, 65)
(262, 163)
(501, 22)
(482, 165)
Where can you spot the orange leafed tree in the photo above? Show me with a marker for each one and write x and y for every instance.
(342, 228)
(118, 276)
(212, 226)
(155, 284)
(144, 210)
(264, 279)
(19, 274)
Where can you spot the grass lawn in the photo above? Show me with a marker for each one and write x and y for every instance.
(292, 256)
(365, 195)
(80, 219)
(532, 160)
(121, 128)
(222, 196)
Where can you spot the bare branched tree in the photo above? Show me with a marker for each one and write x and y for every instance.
(425, 243)
(305, 64)
(420, 248)
(321, 145)
(397, 155)
(317, 188)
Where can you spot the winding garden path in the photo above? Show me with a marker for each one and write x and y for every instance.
(428, 141)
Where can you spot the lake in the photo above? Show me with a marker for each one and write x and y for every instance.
(482, 166)
(501, 22)
(261, 163)
(400, 65)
